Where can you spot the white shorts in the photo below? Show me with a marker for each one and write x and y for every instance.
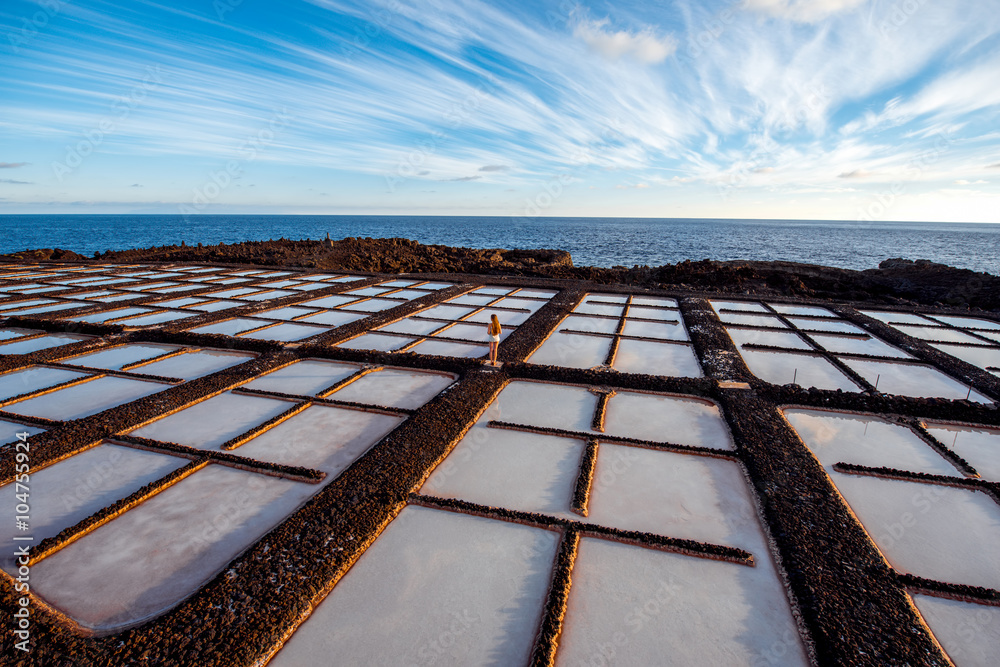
(495, 339)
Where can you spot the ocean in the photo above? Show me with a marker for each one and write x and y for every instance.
(591, 241)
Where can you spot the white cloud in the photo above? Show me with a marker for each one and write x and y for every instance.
(643, 46)
(803, 11)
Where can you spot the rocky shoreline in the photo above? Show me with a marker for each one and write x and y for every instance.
(895, 281)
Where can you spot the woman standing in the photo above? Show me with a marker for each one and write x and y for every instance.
(493, 331)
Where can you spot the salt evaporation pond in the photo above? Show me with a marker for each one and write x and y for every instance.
(161, 551)
(9, 431)
(933, 531)
(838, 437)
(41, 343)
(34, 378)
(640, 606)
(436, 587)
(116, 358)
(307, 377)
(969, 632)
(802, 369)
(85, 399)
(912, 380)
(69, 491)
(979, 446)
(572, 350)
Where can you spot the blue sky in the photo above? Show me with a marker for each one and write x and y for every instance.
(819, 109)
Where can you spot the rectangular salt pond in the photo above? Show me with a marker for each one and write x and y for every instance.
(231, 327)
(9, 334)
(980, 446)
(939, 334)
(913, 380)
(590, 308)
(752, 320)
(179, 303)
(69, 491)
(49, 308)
(473, 300)
(930, 530)
(748, 306)
(155, 318)
(376, 341)
(214, 306)
(572, 351)
(150, 558)
(968, 632)
(675, 495)
(414, 326)
(287, 313)
(839, 437)
(332, 301)
(321, 437)
(983, 357)
(662, 330)
(655, 301)
(34, 378)
(494, 291)
(334, 318)
(436, 587)
(307, 378)
(528, 472)
(870, 346)
(652, 358)
(544, 404)
(449, 349)
(896, 318)
(638, 312)
(116, 357)
(41, 343)
(834, 326)
(446, 312)
(106, 315)
(815, 311)
(661, 418)
(805, 370)
(212, 422)
(967, 322)
(9, 431)
(786, 339)
(265, 296)
(649, 607)
(195, 364)
(85, 399)
(287, 331)
(606, 325)
(395, 388)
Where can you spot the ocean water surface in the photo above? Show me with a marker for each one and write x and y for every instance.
(591, 241)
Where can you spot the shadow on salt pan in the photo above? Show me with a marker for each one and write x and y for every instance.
(436, 587)
(150, 558)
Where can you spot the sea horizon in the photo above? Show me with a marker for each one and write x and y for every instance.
(592, 240)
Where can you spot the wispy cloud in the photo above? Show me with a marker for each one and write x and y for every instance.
(12, 165)
(12, 182)
(807, 11)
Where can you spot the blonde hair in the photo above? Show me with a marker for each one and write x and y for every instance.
(494, 328)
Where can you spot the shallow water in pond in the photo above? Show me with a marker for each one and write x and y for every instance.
(287, 331)
(195, 364)
(34, 378)
(69, 491)
(980, 446)
(645, 605)
(541, 404)
(449, 349)
(642, 356)
(675, 419)
(912, 380)
(41, 343)
(116, 357)
(969, 632)
(870, 346)
(214, 421)
(395, 388)
(572, 351)
(933, 531)
(835, 437)
(304, 377)
(87, 398)
(150, 558)
(481, 582)
(805, 370)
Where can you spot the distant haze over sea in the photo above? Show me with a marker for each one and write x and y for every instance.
(591, 241)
